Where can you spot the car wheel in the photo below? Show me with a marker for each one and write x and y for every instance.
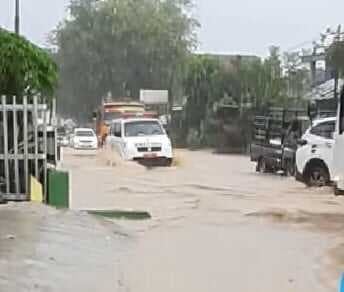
(318, 177)
(262, 166)
(338, 192)
(290, 168)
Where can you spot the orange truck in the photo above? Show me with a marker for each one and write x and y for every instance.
(110, 111)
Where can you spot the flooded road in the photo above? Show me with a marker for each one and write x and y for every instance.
(216, 226)
(48, 250)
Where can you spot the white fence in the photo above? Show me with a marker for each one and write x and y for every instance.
(23, 146)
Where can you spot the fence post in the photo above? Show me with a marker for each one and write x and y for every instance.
(45, 155)
(26, 146)
(4, 117)
(35, 124)
(15, 146)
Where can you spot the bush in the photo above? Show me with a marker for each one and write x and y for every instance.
(25, 69)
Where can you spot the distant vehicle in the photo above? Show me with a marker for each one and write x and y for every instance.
(71, 139)
(314, 158)
(140, 139)
(84, 138)
(274, 140)
(63, 141)
(110, 111)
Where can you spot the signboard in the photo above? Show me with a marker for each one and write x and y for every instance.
(313, 58)
(154, 97)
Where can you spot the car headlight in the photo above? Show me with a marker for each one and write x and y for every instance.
(168, 144)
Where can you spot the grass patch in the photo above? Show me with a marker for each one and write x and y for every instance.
(123, 215)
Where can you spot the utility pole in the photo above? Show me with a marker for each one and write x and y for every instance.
(17, 18)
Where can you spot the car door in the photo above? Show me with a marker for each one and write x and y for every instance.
(117, 138)
(321, 142)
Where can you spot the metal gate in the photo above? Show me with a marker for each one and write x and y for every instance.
(23, 146)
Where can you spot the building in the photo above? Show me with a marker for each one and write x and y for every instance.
(324, 94)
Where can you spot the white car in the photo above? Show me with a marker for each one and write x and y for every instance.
(140, 139)
(85, 138)
(314, 158)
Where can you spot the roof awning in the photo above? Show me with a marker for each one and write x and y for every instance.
(325, 91)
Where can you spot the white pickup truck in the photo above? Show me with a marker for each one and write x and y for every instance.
(314, 158)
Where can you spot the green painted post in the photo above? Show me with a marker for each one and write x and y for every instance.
(58, 189)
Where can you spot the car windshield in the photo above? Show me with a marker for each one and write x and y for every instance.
(143, 128)
(87, 133)
(305, 126)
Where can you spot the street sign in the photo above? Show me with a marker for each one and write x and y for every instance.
(313, 58)
(154, 97)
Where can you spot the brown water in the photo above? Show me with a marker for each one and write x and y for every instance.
(42, 249)
(216, 226)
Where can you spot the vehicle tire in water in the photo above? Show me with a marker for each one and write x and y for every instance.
(338, 192)
(290, 168)
(317, 176)
(262, 166)
(169, 162)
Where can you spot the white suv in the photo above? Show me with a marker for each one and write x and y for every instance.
(140, 140)
(314, 158)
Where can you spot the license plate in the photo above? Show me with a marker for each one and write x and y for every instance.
(150, 155)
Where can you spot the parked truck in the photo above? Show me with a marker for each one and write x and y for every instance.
(275, 137)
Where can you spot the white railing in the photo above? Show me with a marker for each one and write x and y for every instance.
(23, 146)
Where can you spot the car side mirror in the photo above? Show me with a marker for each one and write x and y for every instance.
(302, 142)
(312, 110)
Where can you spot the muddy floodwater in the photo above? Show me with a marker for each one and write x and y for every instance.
(216, 225)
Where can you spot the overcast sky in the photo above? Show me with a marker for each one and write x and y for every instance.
(228, 26)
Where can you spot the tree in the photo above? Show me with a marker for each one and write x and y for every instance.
(24, 68)
(261, 80)
(199, 86)
(120, 47)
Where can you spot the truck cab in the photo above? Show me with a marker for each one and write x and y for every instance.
(314, 158)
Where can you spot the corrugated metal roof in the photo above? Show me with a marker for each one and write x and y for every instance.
(325, 90)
